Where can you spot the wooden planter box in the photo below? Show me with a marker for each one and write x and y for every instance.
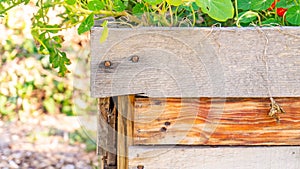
(173, 98)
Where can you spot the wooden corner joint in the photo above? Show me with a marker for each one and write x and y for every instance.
(275, 110)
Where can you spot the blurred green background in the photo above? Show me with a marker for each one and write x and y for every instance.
(30, 88)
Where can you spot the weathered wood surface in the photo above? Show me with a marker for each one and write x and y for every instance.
(102, 126)
(205, 121)
(125, 127)
(107, 141)
(197, 62)
(214, 158)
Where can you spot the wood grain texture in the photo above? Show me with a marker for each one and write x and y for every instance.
(217, 121)
(197, 62)
(214, 158)
(112, 136)
(102, 129)
(125, 113)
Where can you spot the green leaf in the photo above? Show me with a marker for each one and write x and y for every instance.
(50, 105)
(86, 25)
(153, 2)
(220, 10)
(244, 4)
(270, 22)
(70, 2)
(175, 2)
(246, 17)
(260, 4)
(138, 9)
(293, 15)
(104, 34)
(26, 2)
(119, 6)
(60, 61)
(95, 5)
(285, 4)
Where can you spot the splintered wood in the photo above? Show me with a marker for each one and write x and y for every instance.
(206, 121)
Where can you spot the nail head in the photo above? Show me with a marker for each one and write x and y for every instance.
(140, 167)
(107, 63)
(135, 58)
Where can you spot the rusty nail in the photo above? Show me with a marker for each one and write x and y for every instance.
(167, 123)
(135, 58)
(107, 63)
(140, 167)
(163, 129)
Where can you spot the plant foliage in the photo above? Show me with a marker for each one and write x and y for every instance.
(83, 13)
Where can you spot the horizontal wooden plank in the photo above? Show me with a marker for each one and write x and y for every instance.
(217, 121)
(196, 62)
(214, 158)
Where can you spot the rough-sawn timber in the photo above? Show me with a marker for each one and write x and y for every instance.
(215, 121)
(197, 62)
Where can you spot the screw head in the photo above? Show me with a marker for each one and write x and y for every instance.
(107, 63)
(135, 58)
(140, 167)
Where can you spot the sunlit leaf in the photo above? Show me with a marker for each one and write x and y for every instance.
(285, 4)
(138, 9)
(119, 6)
(244, 4)
(293, 15)
(86, 25)
(260, 4)
(70, 2)
(220, 10)
(154, 2)
(175, 2)
(104, 34)
(95, 5)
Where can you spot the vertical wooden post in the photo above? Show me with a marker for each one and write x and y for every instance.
(125, 129)
(102, 130)
(112, 135)
(106, 148)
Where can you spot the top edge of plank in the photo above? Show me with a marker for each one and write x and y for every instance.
(199, 28)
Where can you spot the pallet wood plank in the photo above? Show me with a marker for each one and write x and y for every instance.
(125, 115)
(197, 62)
(196, 157)
(215, 121)
(112, 137)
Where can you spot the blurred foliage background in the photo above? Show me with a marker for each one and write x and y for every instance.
(28, 86)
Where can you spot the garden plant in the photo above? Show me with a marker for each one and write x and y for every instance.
(170, 13)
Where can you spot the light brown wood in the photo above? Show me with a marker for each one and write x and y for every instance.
(217, 121)
(125, 114)
(103, 105)
(160, 157)
(197, 62)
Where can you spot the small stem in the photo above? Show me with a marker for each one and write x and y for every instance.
(246, 13)
(276, 15)
(194, 15)
(7, 9)
(171, 15)
(236, 9)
